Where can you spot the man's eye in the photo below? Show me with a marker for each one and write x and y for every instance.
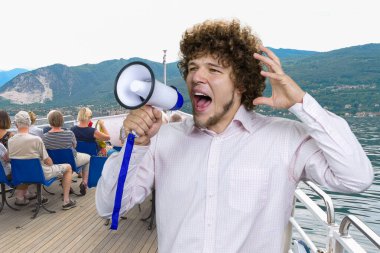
(214, 71)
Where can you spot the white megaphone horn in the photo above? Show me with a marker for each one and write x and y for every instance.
(136, 86)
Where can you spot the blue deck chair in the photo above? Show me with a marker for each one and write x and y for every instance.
(29, 171)
(90, 148)
(96, 168)
(64, 155)
(4, 181)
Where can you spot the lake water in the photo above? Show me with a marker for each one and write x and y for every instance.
(365, 205)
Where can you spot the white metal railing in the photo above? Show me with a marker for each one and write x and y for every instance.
(338, 238)
(344, 239)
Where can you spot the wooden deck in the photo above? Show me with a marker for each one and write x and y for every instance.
(76, 230)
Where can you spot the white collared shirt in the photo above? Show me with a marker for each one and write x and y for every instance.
(233, 192)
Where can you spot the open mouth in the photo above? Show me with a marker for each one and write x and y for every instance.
(201, 101)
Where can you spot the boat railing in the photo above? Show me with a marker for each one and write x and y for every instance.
(343, 238)
(338, 238)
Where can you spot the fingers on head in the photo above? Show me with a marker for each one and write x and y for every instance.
(271, 61)
(272, 75)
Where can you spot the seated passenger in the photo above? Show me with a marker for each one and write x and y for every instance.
(5, 124)
(24, 145)
(58, 138)
(83, 132)
(33, 129)
(4, 159)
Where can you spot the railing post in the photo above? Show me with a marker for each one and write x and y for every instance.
(363, 228)
(330, 219)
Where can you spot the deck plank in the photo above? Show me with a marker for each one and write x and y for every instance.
(76, 230)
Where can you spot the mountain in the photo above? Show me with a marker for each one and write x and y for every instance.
(5, 76)
(352, 65)
(61, 84)
(339, 79)
(346, 80)
(284, 53)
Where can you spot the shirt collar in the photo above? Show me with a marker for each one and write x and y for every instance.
(243, 120)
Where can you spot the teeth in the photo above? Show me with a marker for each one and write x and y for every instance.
(200, 94)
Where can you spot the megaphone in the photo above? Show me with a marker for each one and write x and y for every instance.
(136, 86)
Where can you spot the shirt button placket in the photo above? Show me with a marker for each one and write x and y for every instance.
(211, 200)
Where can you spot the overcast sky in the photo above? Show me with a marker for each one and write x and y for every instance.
(38, 33)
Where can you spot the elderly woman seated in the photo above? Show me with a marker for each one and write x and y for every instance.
(84, 132)
(58, 138)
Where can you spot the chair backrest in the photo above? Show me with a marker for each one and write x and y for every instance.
(64, 155)
(95, 171)
(90, 148)
(3, 177)
(28, 171)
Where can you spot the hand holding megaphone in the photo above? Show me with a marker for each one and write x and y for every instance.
(138, 90)
(144, 123)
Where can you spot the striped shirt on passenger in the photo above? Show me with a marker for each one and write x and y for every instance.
(60, 140)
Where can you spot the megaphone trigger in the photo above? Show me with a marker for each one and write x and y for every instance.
(136, 86)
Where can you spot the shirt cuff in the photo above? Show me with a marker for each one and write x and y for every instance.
(309, 110)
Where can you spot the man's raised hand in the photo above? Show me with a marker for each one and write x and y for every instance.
(285, 92)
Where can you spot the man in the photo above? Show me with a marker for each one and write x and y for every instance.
(225, 179)
(24, 145)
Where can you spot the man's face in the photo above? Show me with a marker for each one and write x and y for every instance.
(213, 94)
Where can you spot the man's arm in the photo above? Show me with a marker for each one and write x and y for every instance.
(145, 122)
(138, 183)
(332, 156)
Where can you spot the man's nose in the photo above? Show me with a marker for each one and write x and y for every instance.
(200, 76)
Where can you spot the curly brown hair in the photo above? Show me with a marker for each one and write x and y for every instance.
(233, 45)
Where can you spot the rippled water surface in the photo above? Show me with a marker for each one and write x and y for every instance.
(365, 205)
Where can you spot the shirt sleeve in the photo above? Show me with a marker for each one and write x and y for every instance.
(137, 186)
(331, 156)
